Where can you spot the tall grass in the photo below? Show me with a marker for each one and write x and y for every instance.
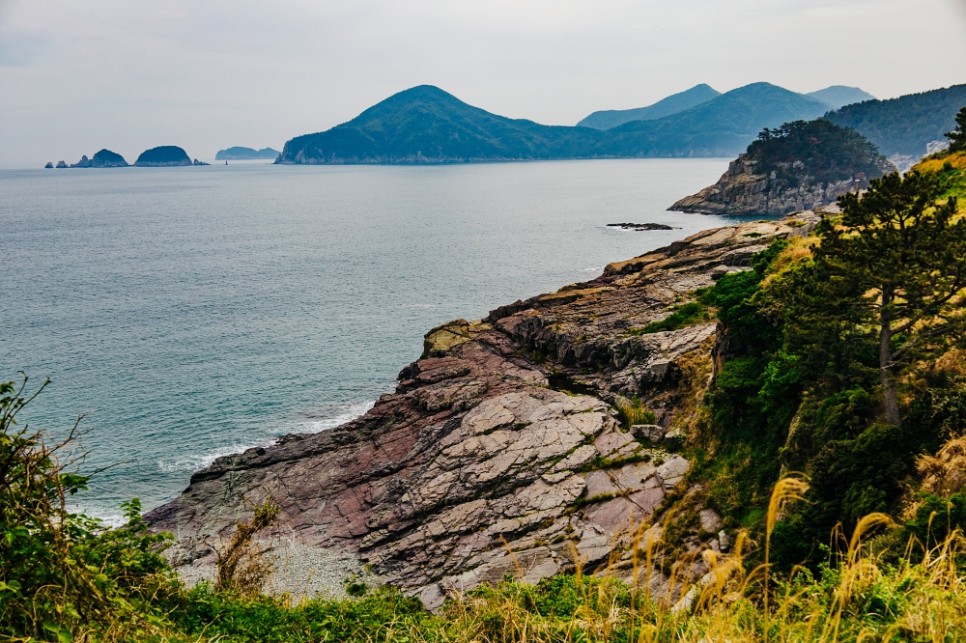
(858, 598)
(857, 595)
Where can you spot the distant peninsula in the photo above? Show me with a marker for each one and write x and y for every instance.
(424, 125)
(246, 154)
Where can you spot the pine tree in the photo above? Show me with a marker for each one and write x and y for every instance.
(957, 137)
(896, 264)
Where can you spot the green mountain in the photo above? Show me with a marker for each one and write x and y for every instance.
(838, 95)
(673, 104)
(246, 153)
(905, 126)
(427, 125)
(720, 127)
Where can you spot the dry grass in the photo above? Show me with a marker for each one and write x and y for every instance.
(859, 598)
(797, 250)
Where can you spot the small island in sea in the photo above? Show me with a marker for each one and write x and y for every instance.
(163, 156)
(246, 154)
(102, 158)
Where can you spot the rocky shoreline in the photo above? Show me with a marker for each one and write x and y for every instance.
(514, 444)
(743, 190)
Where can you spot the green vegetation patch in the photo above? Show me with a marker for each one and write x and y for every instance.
(693, 312)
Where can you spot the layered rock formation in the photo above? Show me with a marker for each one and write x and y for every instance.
(799, 166)
(743, 190)
(502, 449)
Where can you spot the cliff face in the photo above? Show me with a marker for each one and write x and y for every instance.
(501, 450)
(742, 190)
(798, 166)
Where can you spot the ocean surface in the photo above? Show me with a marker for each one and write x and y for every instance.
(188, 313)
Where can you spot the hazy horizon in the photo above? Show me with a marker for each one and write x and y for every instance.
(78, 77)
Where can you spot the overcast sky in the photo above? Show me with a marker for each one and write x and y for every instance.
(129, 75)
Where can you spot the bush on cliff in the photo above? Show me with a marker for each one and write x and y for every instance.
(63, 575)
(817, 149)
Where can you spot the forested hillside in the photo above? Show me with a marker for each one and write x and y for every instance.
(906, 125)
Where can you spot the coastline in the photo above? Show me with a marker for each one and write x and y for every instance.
(503, 436)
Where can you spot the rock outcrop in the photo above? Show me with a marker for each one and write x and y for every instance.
(798, 166)
(742, 190)
(501, 449)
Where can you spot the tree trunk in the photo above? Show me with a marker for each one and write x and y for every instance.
(890, 406)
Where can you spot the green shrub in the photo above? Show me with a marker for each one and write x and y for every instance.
(64, 575)
(684, 315)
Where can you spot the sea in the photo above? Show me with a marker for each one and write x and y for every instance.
(187, 313)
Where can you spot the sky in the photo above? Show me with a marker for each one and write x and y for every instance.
(129, 75)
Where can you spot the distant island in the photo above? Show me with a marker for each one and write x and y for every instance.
(107, 158)
(246, 154)
(102, 158)
(164, 156)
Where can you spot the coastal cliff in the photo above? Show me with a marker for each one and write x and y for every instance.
(745, 190)
(798, 166)
(546, 430)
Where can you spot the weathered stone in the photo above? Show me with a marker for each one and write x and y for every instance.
(673, 471)
(653, 433)
(710, 520)
(743, 190)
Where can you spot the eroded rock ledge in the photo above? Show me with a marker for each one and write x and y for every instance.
(500, 450)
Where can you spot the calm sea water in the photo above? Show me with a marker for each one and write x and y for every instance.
(193, 312)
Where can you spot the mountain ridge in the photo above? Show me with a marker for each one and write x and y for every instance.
(425, 124)
(607, 119)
